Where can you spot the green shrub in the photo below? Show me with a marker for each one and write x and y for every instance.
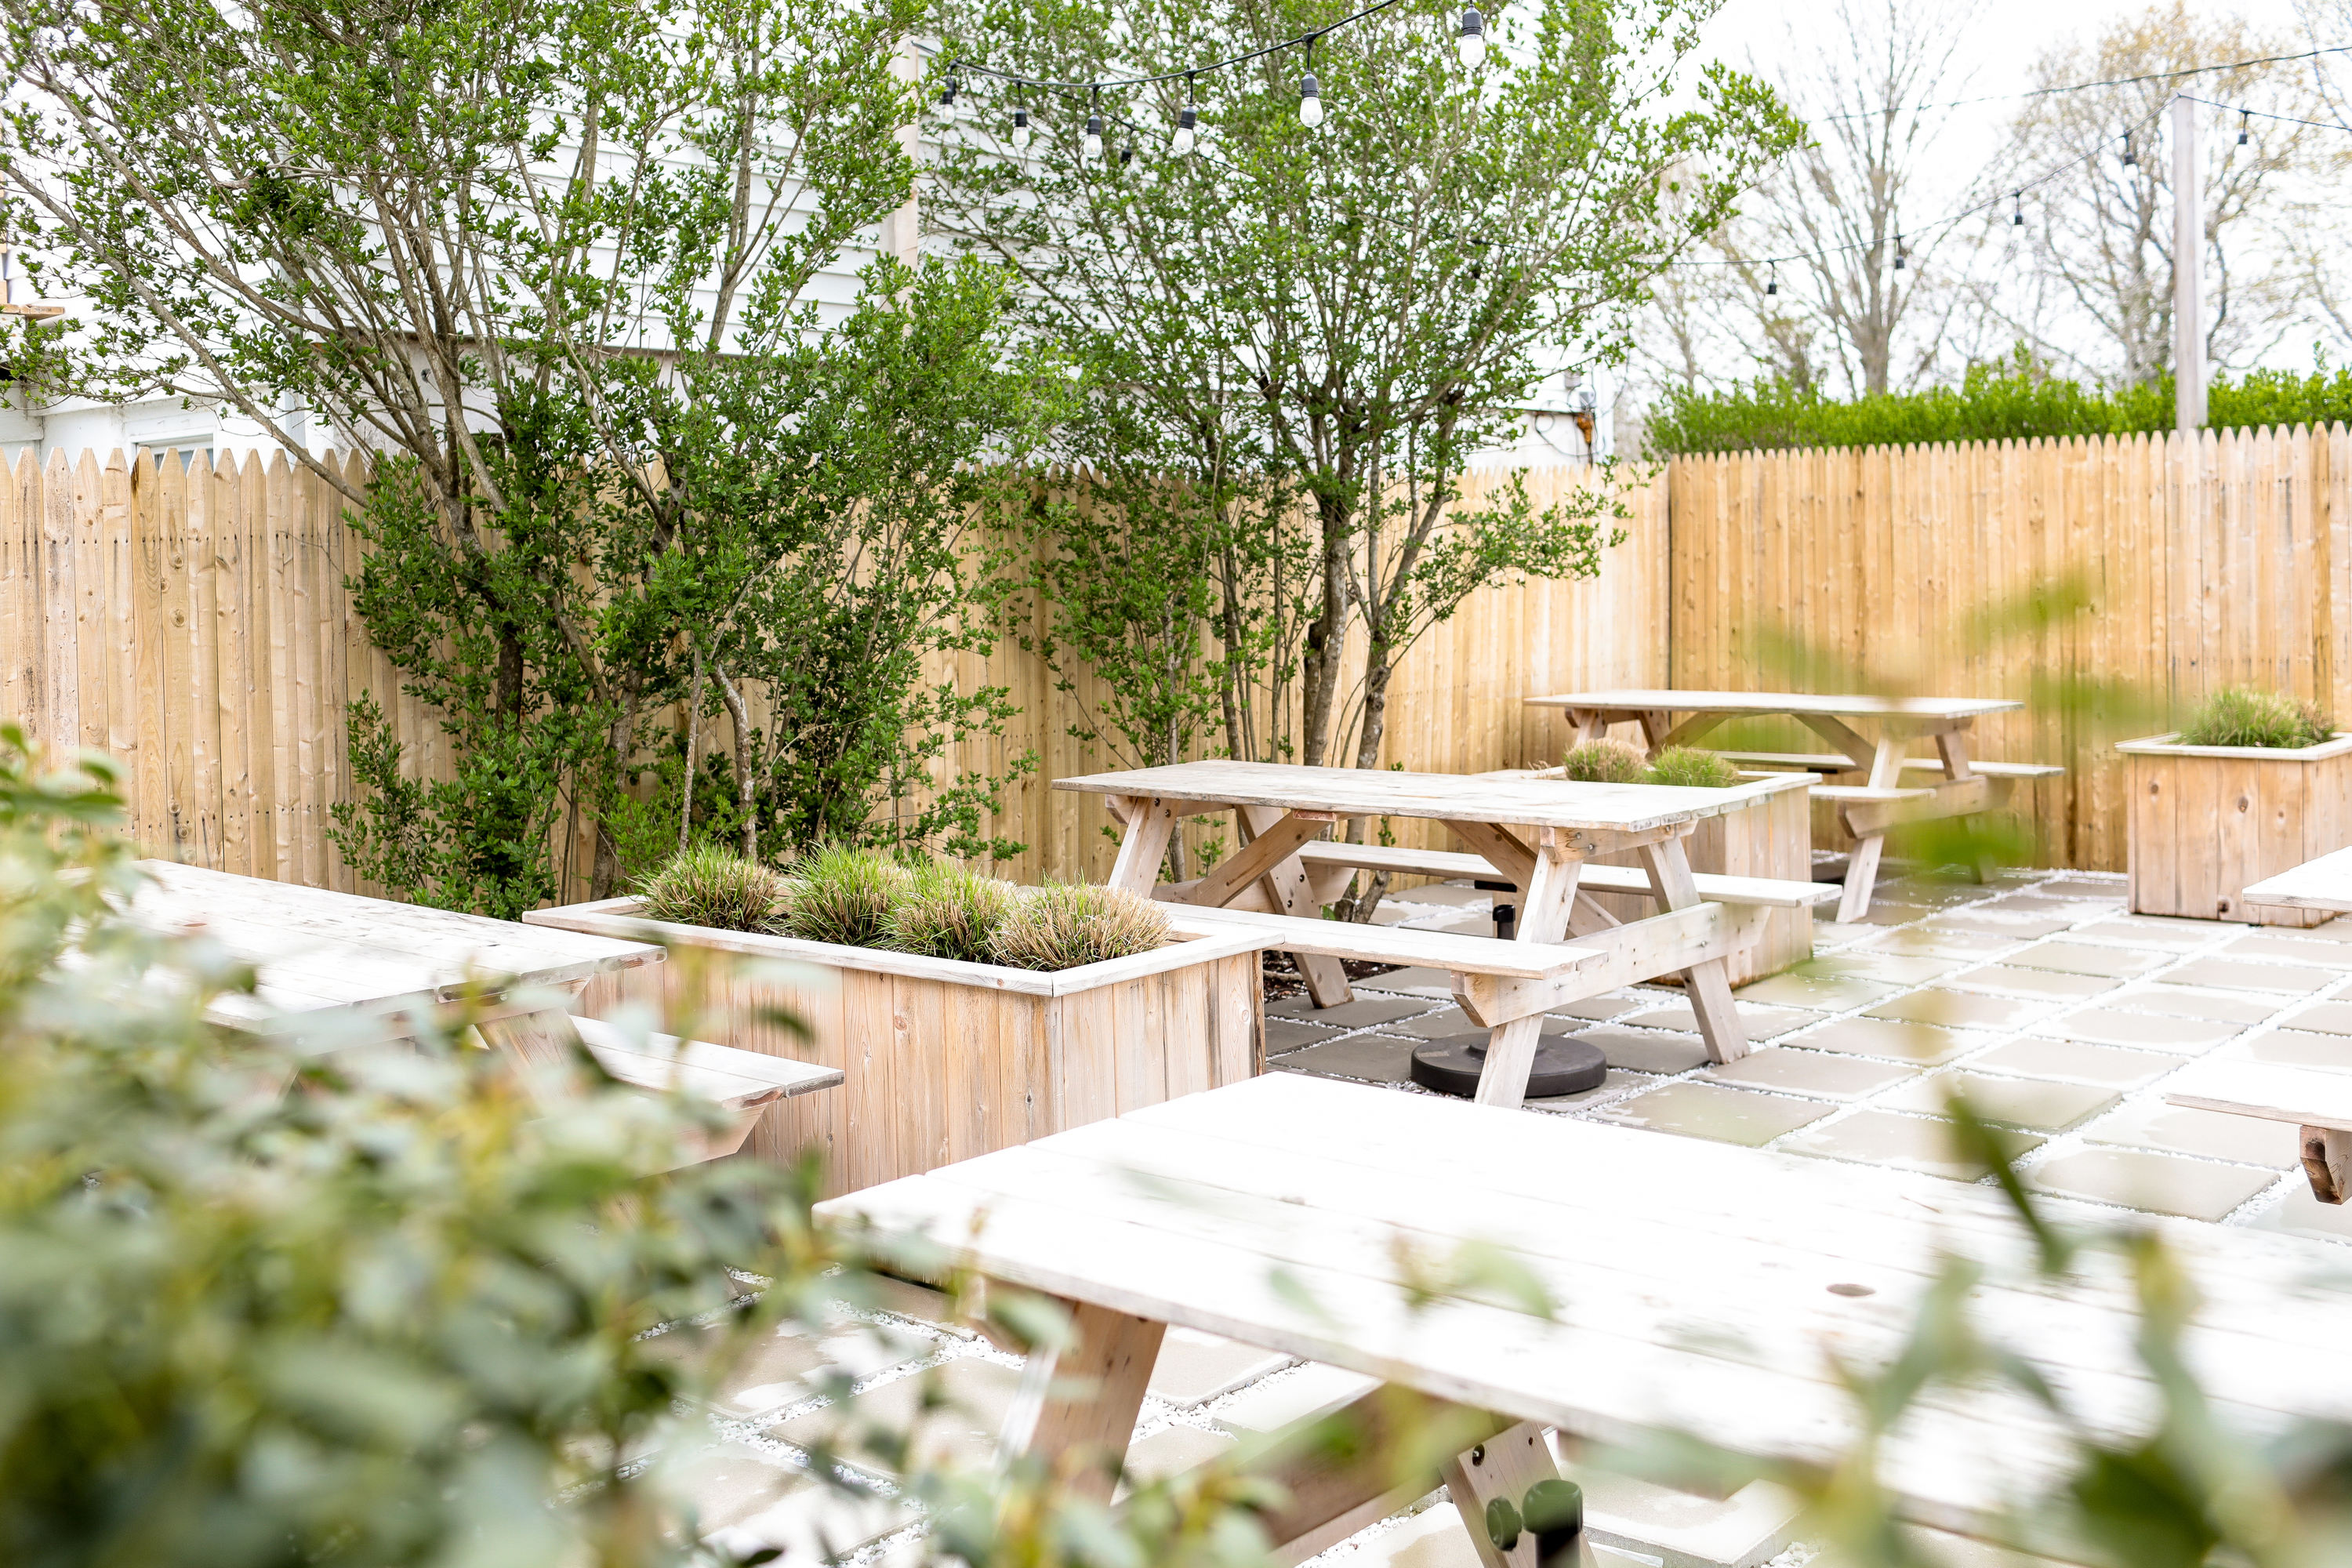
(1064, 924)
(1604, 762)
(2010, 400)
(1693, 769)
(843, 895)
(709, 886)
(2243, 717)
(945, 911)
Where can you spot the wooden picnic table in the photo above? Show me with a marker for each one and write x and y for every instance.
(1697, 1285)
(1869, 809)
(335, 970)
(1536, 833)
(324, 958)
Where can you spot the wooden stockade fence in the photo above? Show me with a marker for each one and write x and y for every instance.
(2206, 563)
(191, 619)
(191, 622)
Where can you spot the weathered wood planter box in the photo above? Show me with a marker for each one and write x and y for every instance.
(945, 1061)
(1770, 835)
(2207, 820)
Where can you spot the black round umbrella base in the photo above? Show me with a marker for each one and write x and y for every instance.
(1452, 1066)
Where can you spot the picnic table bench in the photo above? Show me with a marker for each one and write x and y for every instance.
(1538, 834)
(1695, 1287)
(334, 969)
(1867, 810)
(2316, 1100)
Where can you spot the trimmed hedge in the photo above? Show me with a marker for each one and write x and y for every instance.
(1992, 403)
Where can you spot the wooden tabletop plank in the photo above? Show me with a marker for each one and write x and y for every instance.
(2306, 1097)
(1849, 706)
(1440, 797)
(2322, 884)
(1692, 1278)
(316, 949)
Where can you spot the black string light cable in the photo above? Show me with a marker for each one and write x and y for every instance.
(2244, 113)
(2087, 86)
(1902, 248)
(1470, 43)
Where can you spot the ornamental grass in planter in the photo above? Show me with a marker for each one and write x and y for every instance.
(2253, 784)
(967, 1013)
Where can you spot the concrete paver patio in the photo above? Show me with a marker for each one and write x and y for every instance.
(2060, 1013)
(2056, 1011)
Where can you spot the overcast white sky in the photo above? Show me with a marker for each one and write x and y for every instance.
(2004, 40)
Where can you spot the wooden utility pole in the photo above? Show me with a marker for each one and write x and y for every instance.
(2188, 269)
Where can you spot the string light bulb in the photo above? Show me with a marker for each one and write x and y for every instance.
(1902, 256)
(1310, 95)
(1091, 148)
(1021, 132)
(1127, 153)
(1772, 283)
(2130, 158)
(1472, 43)
(1182, 144)
(2017, 214)
(947, 101)
(2245, 118)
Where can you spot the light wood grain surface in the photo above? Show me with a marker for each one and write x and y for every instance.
(318, 950)
(1437, 798)
(1692, 1281)
(1764, 703)
(2307, 1097)
(2322, 884)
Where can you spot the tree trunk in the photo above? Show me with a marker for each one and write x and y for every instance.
(744, 794)
(1327, 637)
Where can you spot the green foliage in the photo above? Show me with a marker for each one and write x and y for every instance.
(943, 911)
(705, 885)
(2001, 402)
(502, 207)
(843, 894)
(1345, 313)
(1692, 768)
(1604, 762)
(1062, 925)
(390, 1306)
(354, 1321)
(2241, 717)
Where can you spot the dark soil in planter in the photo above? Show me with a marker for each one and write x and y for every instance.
(1282, 980)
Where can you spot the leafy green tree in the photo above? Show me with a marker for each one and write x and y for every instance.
(1356, 310)
(542, 260)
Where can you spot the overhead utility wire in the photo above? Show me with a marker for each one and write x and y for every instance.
(2086, 86)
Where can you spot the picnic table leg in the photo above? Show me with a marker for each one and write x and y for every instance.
(1077, 1405)
(2327, 1160)
(1326, 981)
(1545, 900)
(1708, 984)
(1490, 1485)
(1143, 846)
(1952, 746)
(1341, 1473)
(1588, 724)
(534, 1042)
(1862, 865)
